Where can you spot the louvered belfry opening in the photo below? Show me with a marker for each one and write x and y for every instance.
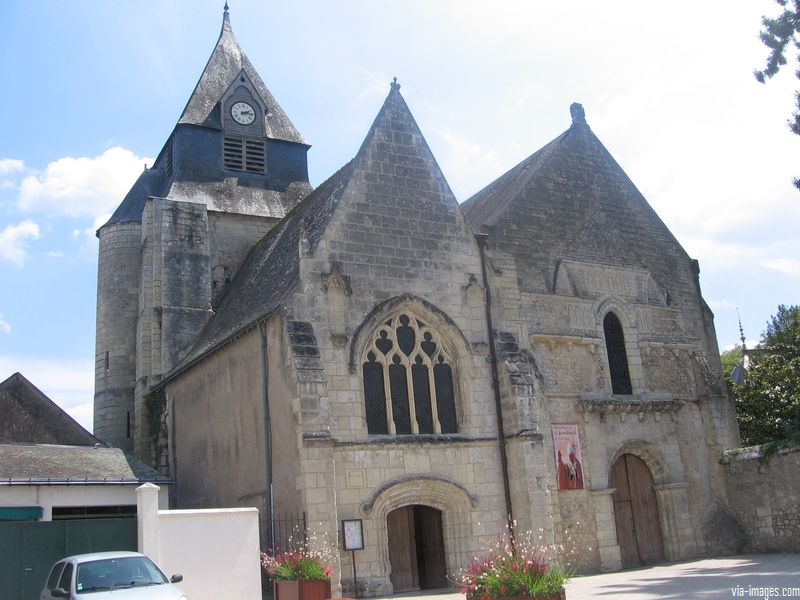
(244, 146)
(408, 380)
(244, 154)
(617, 355)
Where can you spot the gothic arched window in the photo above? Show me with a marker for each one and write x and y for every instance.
(617, 356)
(408, 379)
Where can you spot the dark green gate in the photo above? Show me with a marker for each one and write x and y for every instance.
(28, 550)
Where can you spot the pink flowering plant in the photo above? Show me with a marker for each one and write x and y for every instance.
(306, 560)
(525, 568)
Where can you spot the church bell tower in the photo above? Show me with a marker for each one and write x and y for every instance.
(233, 166)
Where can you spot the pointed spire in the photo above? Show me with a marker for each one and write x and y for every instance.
(741, 330)
(226, 62)
(577, 113)
(226, 19)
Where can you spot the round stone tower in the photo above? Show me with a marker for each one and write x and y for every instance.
(119, 268)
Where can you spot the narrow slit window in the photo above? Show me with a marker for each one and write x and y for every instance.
(617, 355)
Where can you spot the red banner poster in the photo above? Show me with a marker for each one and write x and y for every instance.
(569, 462)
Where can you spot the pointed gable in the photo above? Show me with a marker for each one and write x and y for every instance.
(571, 200)
(395, 154)
(222, 69)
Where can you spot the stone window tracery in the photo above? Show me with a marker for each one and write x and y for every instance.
(408, 379)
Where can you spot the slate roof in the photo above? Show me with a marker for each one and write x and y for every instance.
(56, 465)
(151, 183)
(29, 416)
(270, 271)
(571, 199)
(225, 62)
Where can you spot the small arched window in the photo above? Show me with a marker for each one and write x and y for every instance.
(617, 356)
(408, 380)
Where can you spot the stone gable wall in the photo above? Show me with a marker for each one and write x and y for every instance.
(231, 236)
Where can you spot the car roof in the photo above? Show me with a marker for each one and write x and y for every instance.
(82, 558)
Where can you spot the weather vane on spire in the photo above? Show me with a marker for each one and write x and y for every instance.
(226, 5)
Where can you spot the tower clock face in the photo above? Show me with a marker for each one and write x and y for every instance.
(243, 113)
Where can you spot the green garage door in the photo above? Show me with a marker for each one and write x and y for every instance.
(28, 550)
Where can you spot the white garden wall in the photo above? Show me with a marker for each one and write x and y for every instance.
(216, 550)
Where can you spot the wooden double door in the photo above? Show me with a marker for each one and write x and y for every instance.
(416, 548)
(636, 512)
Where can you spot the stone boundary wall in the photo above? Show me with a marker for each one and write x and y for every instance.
(764, 495)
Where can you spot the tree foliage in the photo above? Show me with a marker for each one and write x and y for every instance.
(778, 34)
(768, 402)
(730, 360)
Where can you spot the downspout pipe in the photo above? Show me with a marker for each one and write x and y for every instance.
(482, 240)
(270, 533)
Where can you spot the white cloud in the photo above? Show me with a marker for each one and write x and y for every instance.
(721, 305)
(460, 156)
(13, 238)
(68, 383)
(787, 266)
(5, 326)
(10, 165)
(749, 343)
(753, 255)
(82, 186)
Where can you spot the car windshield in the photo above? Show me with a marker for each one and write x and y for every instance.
(114, 573)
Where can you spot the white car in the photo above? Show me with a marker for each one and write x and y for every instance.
(110, 576)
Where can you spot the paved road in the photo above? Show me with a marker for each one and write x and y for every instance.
(711, 578)
(707, 579)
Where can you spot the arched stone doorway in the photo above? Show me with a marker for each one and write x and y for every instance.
(416, 548)
(636, 512)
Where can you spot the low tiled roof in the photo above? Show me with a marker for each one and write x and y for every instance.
(29, 416)
(44, 463)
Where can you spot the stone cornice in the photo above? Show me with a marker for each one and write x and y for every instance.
(637, 403)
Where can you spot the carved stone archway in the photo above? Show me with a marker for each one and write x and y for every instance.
(454, 501)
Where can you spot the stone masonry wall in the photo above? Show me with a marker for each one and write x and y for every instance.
(175, 296)
(119, 264)
(397, 242)
(231, 236)
(764, 496)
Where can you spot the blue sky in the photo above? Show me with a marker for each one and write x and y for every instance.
(91, 90)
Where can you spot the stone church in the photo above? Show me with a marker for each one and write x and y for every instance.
(373, 349)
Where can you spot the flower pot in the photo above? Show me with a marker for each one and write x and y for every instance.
(302, 590)
(559, 595)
